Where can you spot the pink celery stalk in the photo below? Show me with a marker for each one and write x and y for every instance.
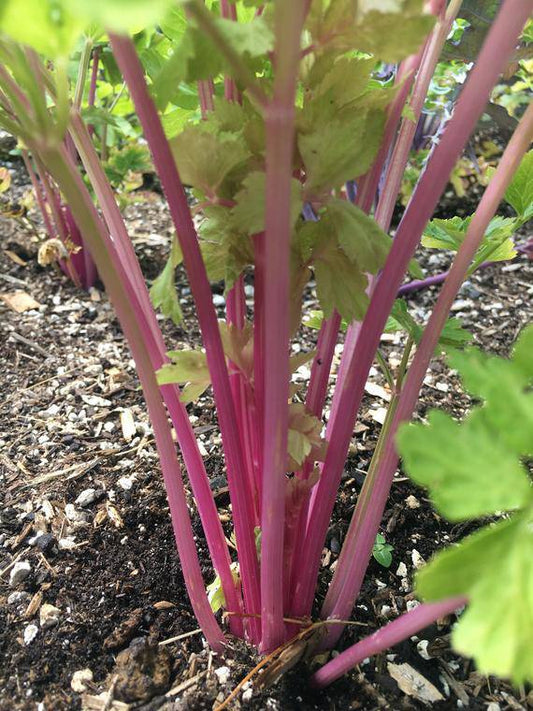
(496, 50)
(37, 189)
(400, 154)
(131, 68)
(154, 341)
(393, 633)
(115, 278)
(280, 132)
(364, 526)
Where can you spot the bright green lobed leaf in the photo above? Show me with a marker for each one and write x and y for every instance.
(494, 568)
(163, 290)
(120, 15)
(340, 284)
(254, 38)
(203, 160)
(467, 468)
(188, 367)
(519, 194)
(49, 26)
(248, 215)
(340, 150)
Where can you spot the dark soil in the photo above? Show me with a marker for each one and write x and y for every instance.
(109, 564)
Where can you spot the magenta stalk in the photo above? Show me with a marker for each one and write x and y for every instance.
(280, 132)
(495, 52)
(131, 68)
(154, 341)
(115, 278)
(361, 535)
(391, 634)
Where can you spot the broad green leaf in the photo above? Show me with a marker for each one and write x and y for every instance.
(203, 160)
(467, 468)
(502, 384)
(341, 150)
(120, 15)
(497, 244)
(360, 237)
(163, 290)
(49, 26)
(254, 38)
(494, 568)
(453, 334)
(519, 194)
(175, 120)
(189, 367)
(174, 24)
(391, 36)
(340, 284)
(522, 353)
(226, 250)
(338, 81)
(248, 215)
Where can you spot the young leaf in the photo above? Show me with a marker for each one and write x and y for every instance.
(494, 568)
(304, 436)
(188, 367)
(203, 160)
(163, 290)
(360, 237)
(254, 38)
(473, 469)
(226, 251)
(248, 215)
(382, 551)
(238, 346)
(520, 192)
(340, 150)
(340, 284)
(468, 470)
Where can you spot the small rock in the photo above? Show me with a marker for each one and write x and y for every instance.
(218, 300)
(48, 615)
(74, 515)
(422, 648)
(493, 706)
(460, 305)
(141, 672)
(18, 598)
(95, 401)
(19, 572)
(30, 633)
(86, 497)
(418, 560)
(412, 502)
(223, 675)
(401, 571)
(126, 482)
(45, 542)
(67, 544)
(79, 680)
(469, 290)
(412, 605)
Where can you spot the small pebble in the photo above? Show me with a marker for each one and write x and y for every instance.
(418, 560)
(15, 598)
(86, 497)
(79, 680)
(218, 300)
(72, 513)
(412, 502)
(67, 544)
(30, 633)
(460, 305)
(48, 615)
(402, 570)
(19, 572)
(44, 542)
(126, 482)
(223, 674)
(422, 647)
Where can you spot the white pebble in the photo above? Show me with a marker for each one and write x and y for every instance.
(422, 647)
(223, 674)
(19, 572)
(402, 570)
(86, 497)
(48, 615)
(418, 561)
(79, 680)
(30, 633)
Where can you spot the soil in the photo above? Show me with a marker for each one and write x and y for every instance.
(107, 562)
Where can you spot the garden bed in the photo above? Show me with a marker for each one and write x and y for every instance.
(79, 467)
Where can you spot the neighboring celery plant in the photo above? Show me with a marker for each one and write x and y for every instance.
(302, 115)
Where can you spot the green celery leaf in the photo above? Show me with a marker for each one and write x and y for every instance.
(360, 237)
(453, 334)
(175, 120)
(203, 160)
(340, 284)
(188, 367)
(254, 38)
(120, 15)
(304, 436)
(519, 194)
(248, 215)
(468, 470)
(174, 24)
(340, 150)
(226, 250)
(49, 26)
(494, 568)
(163, 290)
